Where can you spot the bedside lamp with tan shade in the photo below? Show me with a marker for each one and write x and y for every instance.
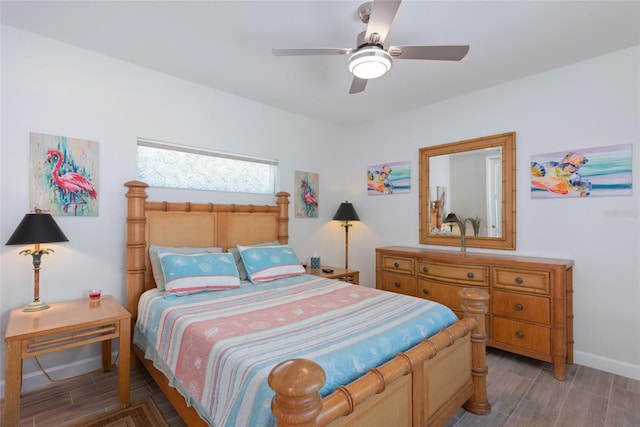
(36, 228)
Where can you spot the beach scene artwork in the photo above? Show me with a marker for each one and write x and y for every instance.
(588, 172)
(389, 178)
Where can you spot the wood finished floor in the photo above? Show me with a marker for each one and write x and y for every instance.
(522, 392)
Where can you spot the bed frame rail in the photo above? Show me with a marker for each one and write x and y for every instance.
(296, 382)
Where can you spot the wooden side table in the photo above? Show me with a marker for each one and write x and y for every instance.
(65, 325)
(351, 276)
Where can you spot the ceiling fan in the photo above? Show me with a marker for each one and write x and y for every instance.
(370, 60)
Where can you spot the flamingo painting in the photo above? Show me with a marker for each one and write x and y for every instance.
(74, 189)
(308, 198)
(306, 205)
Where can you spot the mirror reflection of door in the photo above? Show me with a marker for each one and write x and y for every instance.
(494, 196)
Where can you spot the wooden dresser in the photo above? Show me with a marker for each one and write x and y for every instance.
(531, 310)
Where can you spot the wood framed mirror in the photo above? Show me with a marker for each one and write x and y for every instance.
(476, 180)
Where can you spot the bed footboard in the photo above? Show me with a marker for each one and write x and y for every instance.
(422, 386)
(399, 389)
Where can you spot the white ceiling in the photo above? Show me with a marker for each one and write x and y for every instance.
(227, 45)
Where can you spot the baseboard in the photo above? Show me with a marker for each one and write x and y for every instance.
(608, 365)
(38, 379)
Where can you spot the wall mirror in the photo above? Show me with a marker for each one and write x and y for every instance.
(476, 180)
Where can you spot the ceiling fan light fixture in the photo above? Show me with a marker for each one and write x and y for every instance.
(369, 63)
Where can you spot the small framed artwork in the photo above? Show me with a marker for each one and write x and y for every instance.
(64, 175)
(306, 189)
(589, 172)
(389, 178)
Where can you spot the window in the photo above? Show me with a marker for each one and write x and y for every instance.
(173, 166)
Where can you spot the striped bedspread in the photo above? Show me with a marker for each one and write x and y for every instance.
(217, 348)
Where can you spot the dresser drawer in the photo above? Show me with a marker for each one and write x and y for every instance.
(398, 264)
(399, 283)
(538, 282)
(520, 334)
(446, 295)
(522, 307)
(438, 292)
(456, 273)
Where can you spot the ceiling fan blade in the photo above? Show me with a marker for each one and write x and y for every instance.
(380, 20)
(358, 85)
(436, 53)
(320, 51)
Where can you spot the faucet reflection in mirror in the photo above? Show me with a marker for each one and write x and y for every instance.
(462, 227)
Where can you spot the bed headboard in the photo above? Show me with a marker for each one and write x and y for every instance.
(193, 225)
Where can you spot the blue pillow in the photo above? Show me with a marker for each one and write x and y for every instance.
(240, 264)
(266, 263)
(156, 268)
(190, 273)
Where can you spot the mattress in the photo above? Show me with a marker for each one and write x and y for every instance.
(217, 348)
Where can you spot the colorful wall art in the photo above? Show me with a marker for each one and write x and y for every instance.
(64, 175)
(306, 194)
(589, 172)
(389, 178)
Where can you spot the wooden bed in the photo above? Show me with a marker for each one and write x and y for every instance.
(423, 386)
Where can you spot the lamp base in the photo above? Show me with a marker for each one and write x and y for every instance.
(36, 305)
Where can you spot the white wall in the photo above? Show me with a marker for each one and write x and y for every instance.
(53, 88)
(589, 104)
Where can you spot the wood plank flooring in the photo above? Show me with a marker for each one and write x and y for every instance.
(522, 392)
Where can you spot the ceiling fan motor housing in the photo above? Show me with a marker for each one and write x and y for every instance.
(373, 41)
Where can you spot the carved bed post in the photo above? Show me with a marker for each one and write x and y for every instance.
(136, 243)
(297, 402)
(283, 216)
(474, 304)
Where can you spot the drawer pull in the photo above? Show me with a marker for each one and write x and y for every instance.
(470, 275)
(518, 307)
(519, 335)
(396, 265)
(425, 269)
(519, 280)
(425, 291)
(397, 284)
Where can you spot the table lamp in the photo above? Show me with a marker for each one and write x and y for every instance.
(36, 228)
(346, 212)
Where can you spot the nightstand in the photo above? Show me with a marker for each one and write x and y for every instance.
(65, 325)
(343, 274)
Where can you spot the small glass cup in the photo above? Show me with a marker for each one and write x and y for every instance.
(95, 295)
